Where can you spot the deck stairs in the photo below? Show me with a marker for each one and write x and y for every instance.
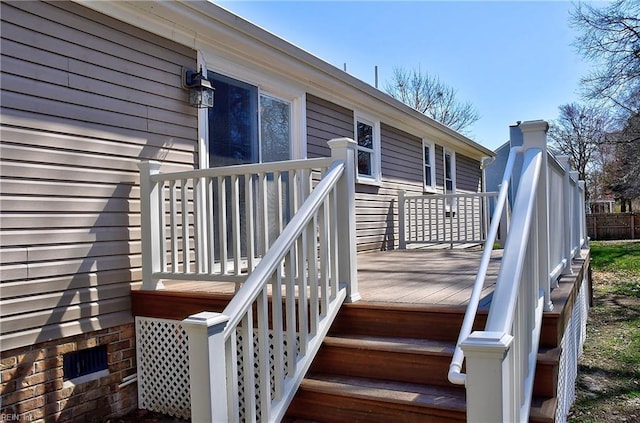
(383, 363)
(380, 362)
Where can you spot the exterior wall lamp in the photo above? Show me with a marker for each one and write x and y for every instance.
(200, 88)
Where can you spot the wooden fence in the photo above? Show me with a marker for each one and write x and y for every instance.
(601, 226)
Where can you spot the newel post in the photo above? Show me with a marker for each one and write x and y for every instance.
(207, 366)
(490, 396)
(150, 224)
(567, 198)
(345, 149)
(534, 135)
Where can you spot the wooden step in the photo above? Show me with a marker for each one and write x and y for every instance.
(545, 381)
(394, 359)
(543, 410)
(402, 321)
(330, 398)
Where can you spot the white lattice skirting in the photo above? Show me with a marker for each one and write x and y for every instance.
(162, 351)
(163, 367)
(572, 343)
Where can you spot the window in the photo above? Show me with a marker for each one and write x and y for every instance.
(429, 168)
(367, 134)
(449, 172)
(450, 179)
(275, 129)
(247, 126)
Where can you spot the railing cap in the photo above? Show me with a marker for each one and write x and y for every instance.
(206, 318)
(487, 343)
(341, 143)
(150, 166)
(534, 126)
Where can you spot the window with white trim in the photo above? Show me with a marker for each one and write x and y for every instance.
(428, 166)
(247, 125)
(449, 172)
(367, 136)
(449, 161)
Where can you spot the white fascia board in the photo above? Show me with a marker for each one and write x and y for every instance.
(219, 34)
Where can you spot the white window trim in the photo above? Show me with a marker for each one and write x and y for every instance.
(432, 164)
(376, 176)
(453, 170)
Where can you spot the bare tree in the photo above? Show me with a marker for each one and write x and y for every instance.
(579, 132)
(428, 95)
(611, 39)
(622, 172)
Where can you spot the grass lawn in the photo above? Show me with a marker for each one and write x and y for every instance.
(608, 385)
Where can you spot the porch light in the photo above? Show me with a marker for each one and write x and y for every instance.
(200, 88)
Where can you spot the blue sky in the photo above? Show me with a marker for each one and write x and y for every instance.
(512, 60)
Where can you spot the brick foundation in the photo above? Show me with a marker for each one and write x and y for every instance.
(33, 388)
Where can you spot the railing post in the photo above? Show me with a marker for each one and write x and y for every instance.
(490, 398)
(575, 219)
(150, 224)
(345, 149)
(583, 217)
(207, 366)
(402, 236)
(535, 136)
(567, 198)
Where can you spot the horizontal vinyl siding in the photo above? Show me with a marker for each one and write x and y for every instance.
(325, 121)
(85, 98)
(402, 168)
(468, 174)
(376, 207)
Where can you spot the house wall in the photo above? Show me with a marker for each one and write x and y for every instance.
(402, 168)
(84, 99)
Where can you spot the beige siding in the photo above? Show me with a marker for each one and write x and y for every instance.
(84, 99)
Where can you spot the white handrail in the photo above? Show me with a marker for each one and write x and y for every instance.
(243, 169)
(455, 368)
(277, 320)
(244, 298)
(503, 303)
(216, 223)
(501, 359)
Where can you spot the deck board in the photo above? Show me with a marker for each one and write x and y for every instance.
(429, 277)
(415, 276)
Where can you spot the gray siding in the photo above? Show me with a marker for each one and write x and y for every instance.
(377, 208)
(402, 167)
(468, 174)
(325, 121)
(84, 99)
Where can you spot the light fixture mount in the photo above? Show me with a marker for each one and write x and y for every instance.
(200, 88)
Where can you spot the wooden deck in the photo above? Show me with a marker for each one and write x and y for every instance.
(418, 276)
(428, 277)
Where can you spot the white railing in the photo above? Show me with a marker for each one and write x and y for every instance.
(501, 360)
(432, 219)
(217, 223)
(247, 362)
(455, 369)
